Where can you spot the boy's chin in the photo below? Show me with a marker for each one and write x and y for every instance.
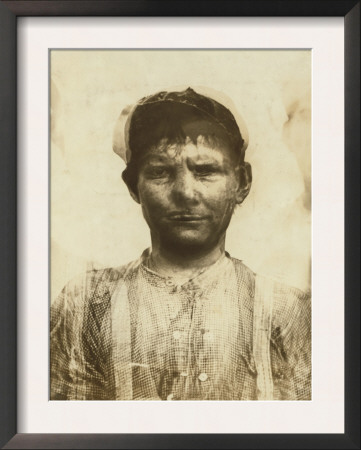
(187, 243)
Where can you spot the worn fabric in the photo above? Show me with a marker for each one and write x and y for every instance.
(153, 105)
(129, 333)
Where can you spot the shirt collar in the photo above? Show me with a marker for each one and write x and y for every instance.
(203, 278)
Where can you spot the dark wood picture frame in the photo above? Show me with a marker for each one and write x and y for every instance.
(9, 11)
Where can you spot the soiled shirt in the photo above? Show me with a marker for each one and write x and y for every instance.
(187, 342)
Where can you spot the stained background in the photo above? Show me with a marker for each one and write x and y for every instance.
(93, 220)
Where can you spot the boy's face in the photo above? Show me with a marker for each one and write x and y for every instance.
(188, 191)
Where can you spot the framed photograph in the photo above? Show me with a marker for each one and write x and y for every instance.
(177, 184)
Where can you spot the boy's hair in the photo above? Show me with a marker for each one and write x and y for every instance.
(163, 122)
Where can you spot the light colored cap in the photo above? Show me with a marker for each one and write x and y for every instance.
(227, 117)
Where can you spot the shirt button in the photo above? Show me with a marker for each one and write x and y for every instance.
(101, 291)
(169, 283)
(176, 334)
(203, 377)
(208, 336)
(170, 397)
(184, 374)
(173, 312)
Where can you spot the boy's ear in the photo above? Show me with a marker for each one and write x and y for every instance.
(245, 182)
(132, 188)
(134, 195)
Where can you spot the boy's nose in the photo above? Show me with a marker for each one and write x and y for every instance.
(184, 187)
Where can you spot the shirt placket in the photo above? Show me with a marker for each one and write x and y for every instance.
(182, 345)
(201, 340)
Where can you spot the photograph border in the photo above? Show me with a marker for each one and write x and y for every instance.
(9, 11)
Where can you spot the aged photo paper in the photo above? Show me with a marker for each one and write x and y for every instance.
(215, 216)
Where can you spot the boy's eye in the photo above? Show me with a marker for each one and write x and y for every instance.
(205, 170)
(157, 171)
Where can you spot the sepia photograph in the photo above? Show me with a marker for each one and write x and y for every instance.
(180, 225)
